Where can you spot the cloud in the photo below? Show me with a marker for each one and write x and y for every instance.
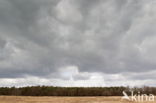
(77, 41)
(67, 12)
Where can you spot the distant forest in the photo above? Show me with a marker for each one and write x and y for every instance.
(73, 91)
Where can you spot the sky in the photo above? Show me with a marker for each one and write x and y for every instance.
(77, 43)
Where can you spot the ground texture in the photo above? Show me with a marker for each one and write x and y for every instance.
(23, 99)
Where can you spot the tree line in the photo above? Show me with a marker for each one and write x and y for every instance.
(72, 91)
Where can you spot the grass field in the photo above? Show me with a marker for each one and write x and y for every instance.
(20, 99)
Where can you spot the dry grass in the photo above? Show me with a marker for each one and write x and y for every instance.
(20, 99)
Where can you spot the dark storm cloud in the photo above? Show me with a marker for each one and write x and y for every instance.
(41, 38)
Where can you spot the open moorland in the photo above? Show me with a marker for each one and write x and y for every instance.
(55, 99)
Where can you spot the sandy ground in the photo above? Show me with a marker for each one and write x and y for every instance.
(23, 99)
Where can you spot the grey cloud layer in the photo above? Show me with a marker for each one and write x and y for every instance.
(39, 38)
